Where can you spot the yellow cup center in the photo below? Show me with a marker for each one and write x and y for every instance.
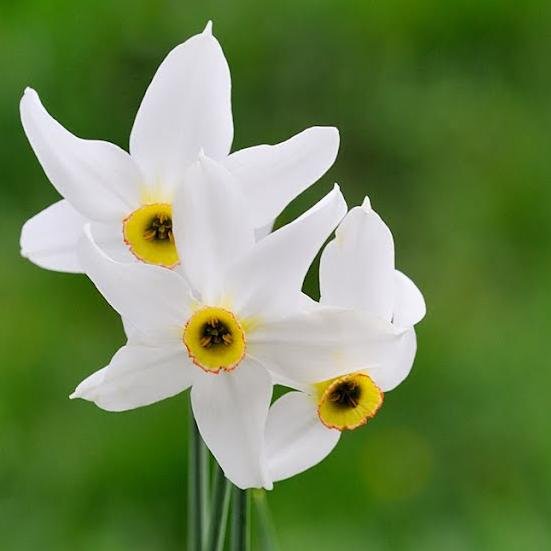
(148, 233)
(347, 402)
(214, 339)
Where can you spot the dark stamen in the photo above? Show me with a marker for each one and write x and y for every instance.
(215, 333)
(346, 394)
(159, 229)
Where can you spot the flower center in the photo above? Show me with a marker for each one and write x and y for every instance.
(346, 394)
(214, 339)
(160, 228)
(148, 233)
(347, 402)
(214, 333)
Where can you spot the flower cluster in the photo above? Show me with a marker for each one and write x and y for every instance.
(177, 236)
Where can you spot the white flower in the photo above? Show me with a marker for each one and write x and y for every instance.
(128, 198)
(356, 272)
(242, 318)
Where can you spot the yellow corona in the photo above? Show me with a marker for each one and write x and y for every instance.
(347, 402)
(215, 339)
(148, 234)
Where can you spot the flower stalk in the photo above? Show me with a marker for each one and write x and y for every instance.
(263, 520)
(198, 488)
(241, 514)
(219, 515)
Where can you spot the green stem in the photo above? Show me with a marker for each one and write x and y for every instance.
(204, 484)
(198, 487)
(240, 529)
(266, 530)
(219, 516)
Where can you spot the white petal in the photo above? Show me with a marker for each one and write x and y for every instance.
(138, 376)
(109, 238)
(278, 379)
(268, 280)
(136, 337)
(49, 239)
(308, 303)
(231, 410)
(357, 267)
(129, 330)
(155, 300)
(320, 344)
(395, 362)
(186, 109)
(295, 437)
(88, 387)
(410, 306)
(98, 178)
(271, 176)
(211, 225)
(263, 231)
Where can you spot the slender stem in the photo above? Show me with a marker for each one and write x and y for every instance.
(266, 532)
(198, 487)
(219, 516)
(204, 489)
(240, 529)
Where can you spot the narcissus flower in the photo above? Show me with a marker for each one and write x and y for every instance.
(236, 318)
(128, 198)
(356, 272)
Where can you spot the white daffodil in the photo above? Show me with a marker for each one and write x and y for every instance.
(128, 198)
(356, 272)
(237, 317)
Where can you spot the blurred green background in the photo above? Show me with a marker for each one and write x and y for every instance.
(445, 116)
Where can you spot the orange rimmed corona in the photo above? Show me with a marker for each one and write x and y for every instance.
(348, 402)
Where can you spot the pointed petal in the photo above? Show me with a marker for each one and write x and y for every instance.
(271, 176)
(231, 410)
(98, 178)
(49, 239)
(155, 300)
(268, 280)
(186, 109)
(211, 225)
(410, 305)
(295, 438)
(321, 344)
(357, 267)
(138, 376)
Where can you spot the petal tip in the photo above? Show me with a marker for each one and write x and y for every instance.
(329, 130)
(208, 29)
(333, 130)
(366, 205)
(330, 140)
(29, 95)
(336, 191)
(29, 91)
(337, 196)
